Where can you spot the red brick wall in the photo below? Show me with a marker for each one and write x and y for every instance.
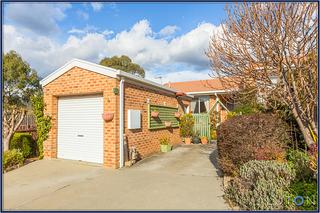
(78, 81)
(147, 141)
(212, 100)
(224, 112)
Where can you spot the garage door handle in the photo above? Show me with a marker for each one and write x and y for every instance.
(80, 135)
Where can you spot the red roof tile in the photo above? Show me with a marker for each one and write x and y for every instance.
(203, 85)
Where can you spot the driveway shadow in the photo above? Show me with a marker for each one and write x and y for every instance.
(213, 157)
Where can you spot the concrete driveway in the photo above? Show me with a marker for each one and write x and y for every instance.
(184, 179)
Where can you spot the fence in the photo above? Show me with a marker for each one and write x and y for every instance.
(28, 124)
(202, 125)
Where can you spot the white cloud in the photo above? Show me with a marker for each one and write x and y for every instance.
(96, 6)
(140, 43)
(85, 30)
(45, 55)
(83, 15)
(39, 18)
(168, 30)
(76, 31)
(107, 32)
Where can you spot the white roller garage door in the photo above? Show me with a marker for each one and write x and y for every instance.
(80, 128)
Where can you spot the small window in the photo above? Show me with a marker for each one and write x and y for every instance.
(200, 105)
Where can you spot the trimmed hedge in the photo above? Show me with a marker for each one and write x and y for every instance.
(251, 137)
(25, 143)
(12, 158)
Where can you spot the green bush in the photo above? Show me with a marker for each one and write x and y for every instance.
(243, 109)
(309, 192)
(23, 142)
(251, 137)
(164, 141)
(186, 125)
(300, 162)
(12, 158)
(43, 122)
(213, 134)
(262, 185)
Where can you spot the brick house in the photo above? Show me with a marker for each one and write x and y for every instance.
(98, 111)
(208, 95)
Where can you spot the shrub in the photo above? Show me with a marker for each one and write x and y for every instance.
(313, 158)
(270, 151)
(231, 114)
(300, 162)
(285, 113)
(243, 109)
(12, 158)
(186, 125)
(262, 185)
(164, 141)
(43, 122)
(25, 143)
(213, 134)
(215, 118)
(250, 137)
(309, 192)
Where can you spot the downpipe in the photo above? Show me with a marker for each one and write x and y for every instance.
(121, 111)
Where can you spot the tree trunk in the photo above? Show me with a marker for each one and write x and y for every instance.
(6, 142)
(314, 129)
(304, 129)
(11, 127)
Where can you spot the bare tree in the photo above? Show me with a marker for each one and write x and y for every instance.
(270, 49)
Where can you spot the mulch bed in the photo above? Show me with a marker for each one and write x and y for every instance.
(26, 161)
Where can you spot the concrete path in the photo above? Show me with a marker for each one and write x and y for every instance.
(183, 179)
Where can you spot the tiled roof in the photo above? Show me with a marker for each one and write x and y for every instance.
(213, 84)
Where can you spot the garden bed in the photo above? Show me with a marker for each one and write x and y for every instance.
(27, 161)
(261, 170)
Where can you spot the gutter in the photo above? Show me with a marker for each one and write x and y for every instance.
(211, 92)
(149, 83)
(121, 128)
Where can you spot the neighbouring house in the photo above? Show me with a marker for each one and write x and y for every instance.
(28, 125)
(210, 95)
(99, 114)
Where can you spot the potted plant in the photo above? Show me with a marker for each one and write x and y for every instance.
(196, 139)
(186, 127)
(204, 140)
(177, 114)
(213, 133)
(165, 145)
(108, 116)
(167, 123)
(155, 113)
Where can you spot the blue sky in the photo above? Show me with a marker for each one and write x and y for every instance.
(167, 39)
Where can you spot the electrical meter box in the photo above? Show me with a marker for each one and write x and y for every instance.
(134, 119)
